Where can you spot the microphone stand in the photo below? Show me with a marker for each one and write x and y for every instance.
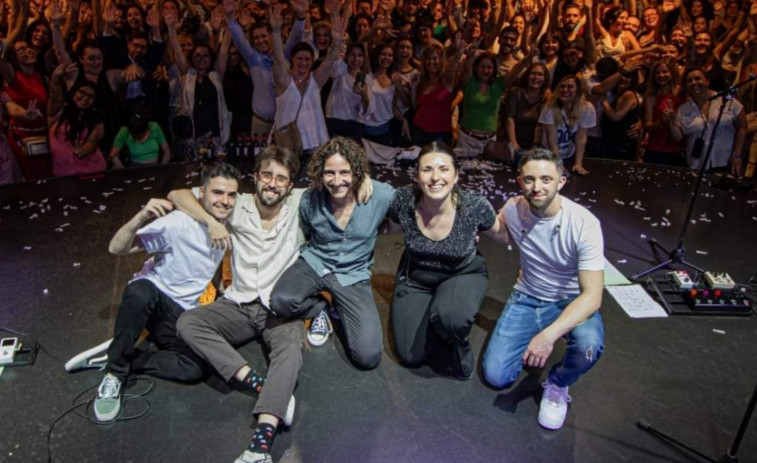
(731, 455)
(678, 255)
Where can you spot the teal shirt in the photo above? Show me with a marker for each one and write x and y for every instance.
(481, 110)
(144, 152)
(346, 253)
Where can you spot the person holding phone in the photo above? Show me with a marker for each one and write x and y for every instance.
(350, 98)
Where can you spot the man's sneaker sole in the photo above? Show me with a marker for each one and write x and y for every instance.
(85, 360)
(550, 424)
(289, 417)
(111, 409)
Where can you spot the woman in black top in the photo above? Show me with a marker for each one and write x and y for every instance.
(618, 117)
(522, 107)
(442, 278)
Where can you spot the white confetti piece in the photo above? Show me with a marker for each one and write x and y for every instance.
(509, 247)
(45, 292)
(65, 213)
(77, 264)
(617, 201)
(147, 188)
(96, 211)
(667, 211)
(718, 331)
(118, 189)
(704, 253)
(622, 261)
(33, 216)
(102, 208)
(107, 193)
(27, 248)
(655, 224)
(643, 236)
(721, 215)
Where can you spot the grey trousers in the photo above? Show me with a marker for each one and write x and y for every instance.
(214, 330)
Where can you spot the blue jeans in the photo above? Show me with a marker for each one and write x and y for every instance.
(523, 318)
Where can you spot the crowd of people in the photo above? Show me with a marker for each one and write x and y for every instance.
(92, 84)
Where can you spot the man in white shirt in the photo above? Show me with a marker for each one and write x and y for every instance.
(266, 237)
(559, 289)
(170, 283)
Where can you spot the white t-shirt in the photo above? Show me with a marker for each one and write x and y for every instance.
(183, 261)
(566, 135)
(260, 256)
(692, 125)
(554, 249)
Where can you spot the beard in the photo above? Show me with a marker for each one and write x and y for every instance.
(280, 195)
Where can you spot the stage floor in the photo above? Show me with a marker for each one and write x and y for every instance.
(691, 376)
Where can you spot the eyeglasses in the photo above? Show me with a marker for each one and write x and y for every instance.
(267, 177)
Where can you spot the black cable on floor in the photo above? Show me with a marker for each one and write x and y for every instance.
(86, 404)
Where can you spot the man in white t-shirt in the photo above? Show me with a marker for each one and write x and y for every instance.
(171, 282)
(559, 289)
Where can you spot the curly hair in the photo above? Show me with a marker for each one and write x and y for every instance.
(348, 149)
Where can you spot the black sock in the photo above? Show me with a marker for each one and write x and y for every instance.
(263, 438)
(254, 381)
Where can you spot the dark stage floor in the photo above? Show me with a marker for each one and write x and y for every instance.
(691, 376)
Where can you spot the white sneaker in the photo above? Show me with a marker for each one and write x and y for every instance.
(95, 357)
(254, 457)
(289, 417)
(320, 329)
(554, 406)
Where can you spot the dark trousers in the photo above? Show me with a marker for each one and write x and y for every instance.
(422, 138)
(292, 298)
(214, 330)
(143, 305)
(432, 307)
(342, 128)
(666, 159)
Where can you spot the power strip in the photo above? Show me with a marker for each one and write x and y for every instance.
(682, 279)
(719, 280)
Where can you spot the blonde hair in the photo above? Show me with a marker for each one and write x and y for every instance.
(556, 106)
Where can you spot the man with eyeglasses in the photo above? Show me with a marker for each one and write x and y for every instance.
(266, 237)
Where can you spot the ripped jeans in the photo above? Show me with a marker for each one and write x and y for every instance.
(523, 318)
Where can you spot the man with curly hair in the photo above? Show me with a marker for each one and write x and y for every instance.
(341, 234)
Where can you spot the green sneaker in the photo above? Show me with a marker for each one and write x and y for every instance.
(108, 401)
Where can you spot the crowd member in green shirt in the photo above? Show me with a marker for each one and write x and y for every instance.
(482, 90)
(146, 142)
